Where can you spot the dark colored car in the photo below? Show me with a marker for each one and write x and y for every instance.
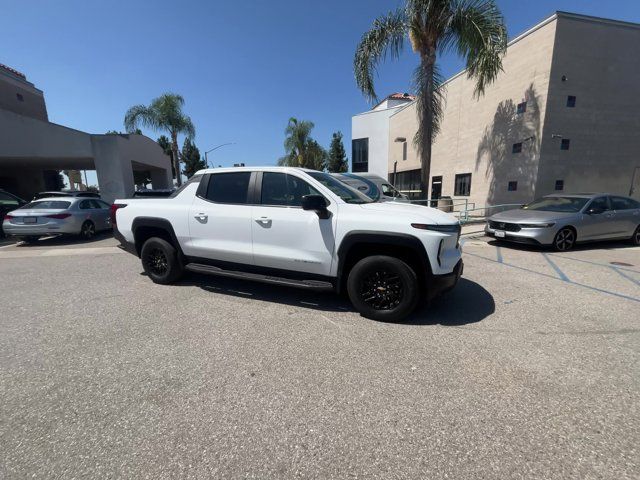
(66, 193)
(8, 202)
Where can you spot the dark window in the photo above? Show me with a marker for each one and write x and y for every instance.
(285, 190)
(623, 203)
(47, 205)
(7, 200)
(404, 150)
(19, 97)
(601, 203)
(571, 101)
(521, 108)
(517, 148)
(229, 187)
(462, 185)
(559, 185)
(85, 205)
(565, 144)
(408, 182)
(360, 155)
(513, 186)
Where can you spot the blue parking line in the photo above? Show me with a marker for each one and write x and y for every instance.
(499, 254)
(592, 263)
(624, 275)
(563, 277)
(588, 287)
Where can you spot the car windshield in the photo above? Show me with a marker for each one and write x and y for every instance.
(345, 192)
(557, 204)
(47, 205)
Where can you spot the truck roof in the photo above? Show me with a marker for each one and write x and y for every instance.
(267, 168)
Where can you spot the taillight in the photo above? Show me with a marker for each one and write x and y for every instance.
(8, 217)
(114, 209)
(59, 216)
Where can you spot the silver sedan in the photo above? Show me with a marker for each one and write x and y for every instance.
(57, 216)
(561, 221)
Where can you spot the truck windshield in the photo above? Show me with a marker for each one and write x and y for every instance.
(345, 192)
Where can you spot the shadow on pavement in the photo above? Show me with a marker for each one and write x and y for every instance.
(467, 303)
(602, 245)
(63, 240)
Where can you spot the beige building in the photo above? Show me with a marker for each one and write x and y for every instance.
(563, 116)
(33, 150)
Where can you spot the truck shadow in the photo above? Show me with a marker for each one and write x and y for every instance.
(601, 245)
(467, 303)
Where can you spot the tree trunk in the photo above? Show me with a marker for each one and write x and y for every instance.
(427, 63)
(176, 158)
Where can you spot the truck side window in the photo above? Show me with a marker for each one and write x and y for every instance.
(230, 187)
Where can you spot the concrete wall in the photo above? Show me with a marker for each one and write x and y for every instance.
(602, 67)
(32, 103)
(477, 135)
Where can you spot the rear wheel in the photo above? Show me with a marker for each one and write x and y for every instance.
(88, 230)
(564, 240)
(383, 288)
(160, 261)
(636, 237)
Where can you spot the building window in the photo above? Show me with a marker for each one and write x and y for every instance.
(517, 148)
(521, 108)
(19, 97)
(462, 185)
(404, 150)
(559, 185)
(513, 186)
(408, 182)
(360, 155)
(565, 144)
(571, 101)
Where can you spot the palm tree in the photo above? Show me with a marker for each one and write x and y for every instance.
(474, 29)
(302, 150)
(164, 113)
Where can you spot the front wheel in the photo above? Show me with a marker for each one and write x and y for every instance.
(635, 240)
(383, 288)
(564, 240)
(160, 261)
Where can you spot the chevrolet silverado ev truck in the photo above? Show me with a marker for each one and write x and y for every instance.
(295, 227)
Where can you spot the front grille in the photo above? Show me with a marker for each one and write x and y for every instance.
(507, 227)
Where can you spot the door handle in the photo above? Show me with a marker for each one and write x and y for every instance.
(264, 221)
(201, 217)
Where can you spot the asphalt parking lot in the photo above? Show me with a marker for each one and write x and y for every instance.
(528, 369)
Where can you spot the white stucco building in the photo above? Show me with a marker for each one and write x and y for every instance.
(33, 150)
(370, 135)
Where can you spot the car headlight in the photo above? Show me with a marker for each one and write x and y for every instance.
(454, 228)
(536, 225)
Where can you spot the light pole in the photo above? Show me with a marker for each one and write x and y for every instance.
(206, 158)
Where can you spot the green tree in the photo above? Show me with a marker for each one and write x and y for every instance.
(337, 156)
(191, 158)
(165, 144)
(474, 29)
(114, 132)
(300, 149)
(163, 113)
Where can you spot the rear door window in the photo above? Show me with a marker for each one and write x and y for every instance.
(622, 203)
(232, 188)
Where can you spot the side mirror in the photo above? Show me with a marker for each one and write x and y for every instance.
(317, 203)
(595, 211)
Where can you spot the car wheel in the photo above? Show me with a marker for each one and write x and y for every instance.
(636, 237)
(564, 240)
(383, 288)
(160, 261)
(88, 230)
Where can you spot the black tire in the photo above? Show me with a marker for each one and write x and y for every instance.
(88, 230)
(564, 240)
(30, 239)
(161, 261)
(383, 288)
(635, 239)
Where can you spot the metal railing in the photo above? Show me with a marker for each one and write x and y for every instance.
(481, 213)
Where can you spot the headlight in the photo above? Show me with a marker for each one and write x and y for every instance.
(536, 225)
(455, 228)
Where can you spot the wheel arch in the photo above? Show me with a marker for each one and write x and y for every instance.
(360, 244)
(144, 228)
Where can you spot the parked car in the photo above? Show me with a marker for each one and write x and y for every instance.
(561, 221)
(299, 228)
(373, 186)
(58, 216)
(66, 193)
(8, 202)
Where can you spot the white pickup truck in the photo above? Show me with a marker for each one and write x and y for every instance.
(295, 227)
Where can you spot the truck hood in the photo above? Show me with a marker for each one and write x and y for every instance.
(433, 215)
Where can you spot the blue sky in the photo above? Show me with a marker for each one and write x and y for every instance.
(243, 66)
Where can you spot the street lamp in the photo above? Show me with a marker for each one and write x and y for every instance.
(206, 159)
